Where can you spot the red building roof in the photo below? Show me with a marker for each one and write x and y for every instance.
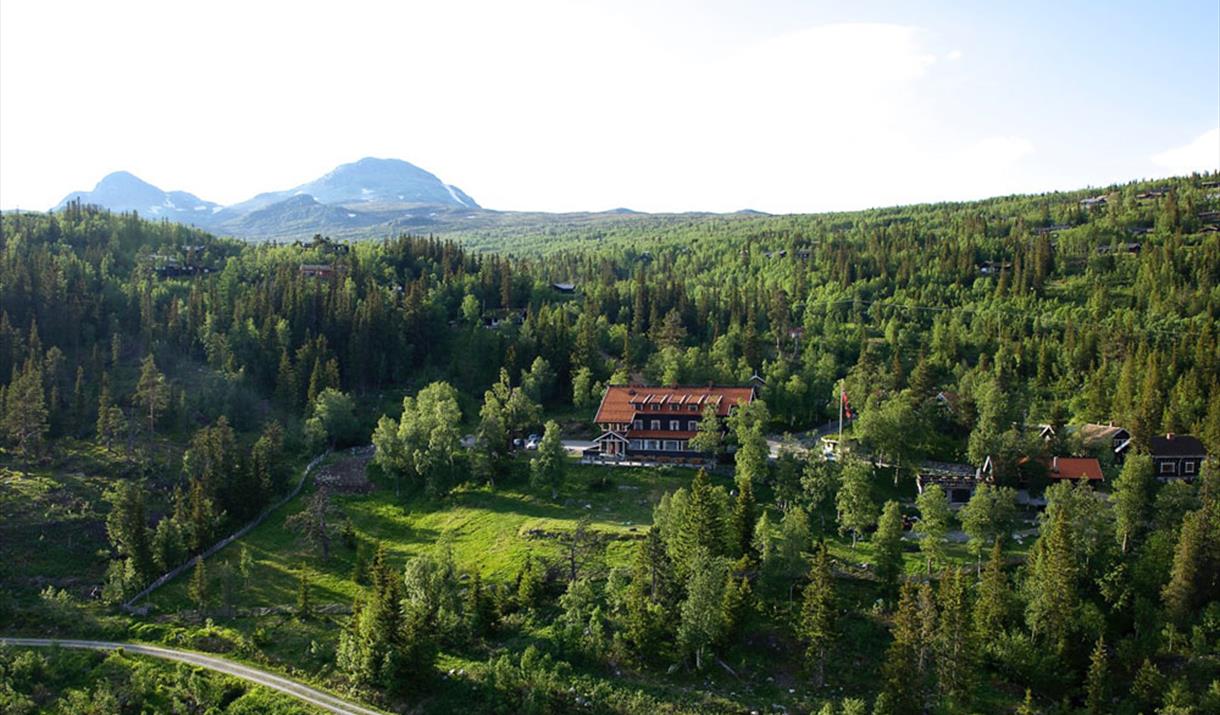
(1075, 468)
(621, 403)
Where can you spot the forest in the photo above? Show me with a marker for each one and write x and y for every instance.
(163, 387)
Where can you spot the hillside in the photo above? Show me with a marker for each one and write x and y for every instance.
(163, 386)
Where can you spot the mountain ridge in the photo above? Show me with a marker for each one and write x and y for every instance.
(353, 196)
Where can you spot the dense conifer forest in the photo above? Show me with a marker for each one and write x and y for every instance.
(162, 387)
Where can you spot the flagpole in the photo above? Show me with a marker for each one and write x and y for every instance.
(841, 393)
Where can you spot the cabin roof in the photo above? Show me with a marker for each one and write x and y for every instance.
(622, 402)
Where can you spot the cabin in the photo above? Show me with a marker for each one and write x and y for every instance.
(1132, 247)
(949, 400)
(1176, 456)
(493, 319)
(317, 270)
(1074, 469)
(1051, 230)
(1093, 202)
(1108, 436)
(991, 268)
(657, 423)
(1152, 194)
(957, 480)
(565, 288)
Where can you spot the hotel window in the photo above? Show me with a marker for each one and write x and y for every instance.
(638, 424)
(1167, 467)
(656, 425)
(635, 444)
(671, 445)
(650, 444)
(675, 425)
(692, 425)
(1188, 467)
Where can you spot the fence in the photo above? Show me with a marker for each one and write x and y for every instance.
(129, 606)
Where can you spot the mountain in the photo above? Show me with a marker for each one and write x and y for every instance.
(122, 191)
(380, 182)
(364, 197)
(300, 215)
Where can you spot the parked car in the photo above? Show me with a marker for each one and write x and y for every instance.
(532, 441)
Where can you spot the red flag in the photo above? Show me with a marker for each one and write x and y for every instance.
(847, 412)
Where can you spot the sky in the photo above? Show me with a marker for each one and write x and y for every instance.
(711, 105)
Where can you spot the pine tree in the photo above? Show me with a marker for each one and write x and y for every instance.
(549, 467)
(1147, 686)
(955, 645)
(702, 615)
(1051, 611)
(478, 608)
(933, 524)
(1027, 706)
(744, 517)
(370, 648)
(287, 388)
(109, 418)
(903, 684)
(128, 530)
(1196, 563)
(735, 606)
(991, 608)
(1096, 687)
(198, 587)
(152, 393)
(928, 624)
(887, 547)
(818, 615)
(25, 413)
(245, 564)
(703, 526)
(531, 580)
(1131, 497)
(78, 402)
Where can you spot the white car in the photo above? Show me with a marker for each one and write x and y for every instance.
(532, 441)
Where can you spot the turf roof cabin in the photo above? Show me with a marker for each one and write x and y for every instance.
(656, 424)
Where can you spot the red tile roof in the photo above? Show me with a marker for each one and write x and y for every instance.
(1075, 468)
(620, 403)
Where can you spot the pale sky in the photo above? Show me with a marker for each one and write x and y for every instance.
(656, 106)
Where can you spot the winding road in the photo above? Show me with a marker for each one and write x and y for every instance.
(317, 698)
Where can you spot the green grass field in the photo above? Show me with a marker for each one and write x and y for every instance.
(488, 531)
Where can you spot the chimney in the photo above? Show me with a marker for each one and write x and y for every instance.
(1169, 435)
